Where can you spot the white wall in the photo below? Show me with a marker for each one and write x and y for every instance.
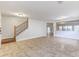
(8, 23)
(67, 34)
(37, 28)
(0, 26)
(54, 27)
(0, 18)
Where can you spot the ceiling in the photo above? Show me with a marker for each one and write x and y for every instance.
(42, 10)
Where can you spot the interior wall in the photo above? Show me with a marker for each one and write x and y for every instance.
(54, 28)
(36, 28)
(0, 32)
(67, 34)
(0, 19)
(8, 23)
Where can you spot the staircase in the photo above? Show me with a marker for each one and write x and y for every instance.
(18, 29)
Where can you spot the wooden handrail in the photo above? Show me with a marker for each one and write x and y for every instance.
(20, 28)
(21, 23)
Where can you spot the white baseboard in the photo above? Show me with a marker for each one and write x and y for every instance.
(29, 38)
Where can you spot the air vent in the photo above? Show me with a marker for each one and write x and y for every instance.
(59, 2)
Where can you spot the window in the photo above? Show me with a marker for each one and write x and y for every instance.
(76, 28)
(64, 28)
(60, 28)
(69, 28)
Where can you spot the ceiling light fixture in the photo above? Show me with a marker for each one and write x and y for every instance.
(20, 14)
(62, 17)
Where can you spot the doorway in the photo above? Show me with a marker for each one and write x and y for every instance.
(49, 29)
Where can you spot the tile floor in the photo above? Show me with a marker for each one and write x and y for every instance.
(41, 47)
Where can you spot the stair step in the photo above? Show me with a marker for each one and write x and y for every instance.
(9, 40)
